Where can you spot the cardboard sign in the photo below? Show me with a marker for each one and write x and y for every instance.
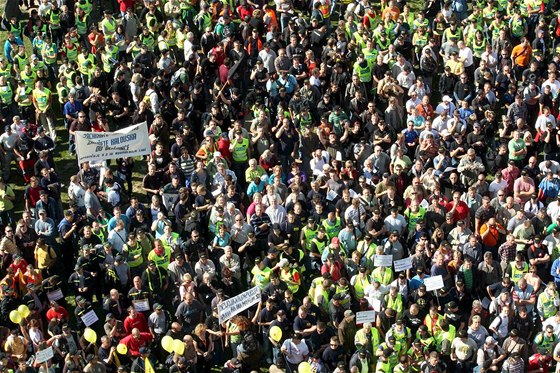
(374, 303)
(55, 295)
(44, 355)
(365, 316)
(382, 260)
(90, 318)
(141, 305)
(433, 283)
(403, 264)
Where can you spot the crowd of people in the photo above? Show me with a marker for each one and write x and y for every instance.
(388, 179)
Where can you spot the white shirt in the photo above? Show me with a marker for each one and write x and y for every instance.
(117, 239)
(411, 104)
(466, 55)
(277, 214)
(554, 87)
(497, 186)
(77, 194)
(552, 321)
(490, 58)
(399, 223)
(296, 353)
(450, 108)
(9, 141)
(553, 210)
(500, 324)
(554, 167)
(268, 59)
(439, 123)
(189, 49)
(540, 124)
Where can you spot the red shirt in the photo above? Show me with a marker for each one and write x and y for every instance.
(535, 364)
(32, 194)
(335, 274)
(22, 266)
(134, 345)
(60, 314)
(461, 212)
(138, 322)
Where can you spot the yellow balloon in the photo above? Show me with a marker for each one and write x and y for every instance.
(90, 335)
(304, 367)
(122, 349)
(178, 347)
(15, 317)
(23, 311)
(276, 333)
(167, 343)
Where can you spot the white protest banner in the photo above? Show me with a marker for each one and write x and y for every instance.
(232, 306)
(403, 264)
(433, 283)
(127, 142)
(382, 260)
(90, 318)
(55, 295)
(44, 355)
(365, 316)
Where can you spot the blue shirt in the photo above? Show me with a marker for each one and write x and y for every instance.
(8, 48)
(113, 222)
(289, 83)
(72, 109)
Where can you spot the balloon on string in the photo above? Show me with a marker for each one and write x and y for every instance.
(304, 367)
(167, 343)
(275, 333)
(122, 349)
(178, 347)
(23, 311)
(90, 335)
(15, 317)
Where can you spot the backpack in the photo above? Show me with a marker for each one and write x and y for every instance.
(80, 94)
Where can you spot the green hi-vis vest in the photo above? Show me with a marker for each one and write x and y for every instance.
(239, 153)
(7, 94)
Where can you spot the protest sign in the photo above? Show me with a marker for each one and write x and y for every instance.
(44, 355)
(131, 141)
(55, 295)
(365, 316)
(382, 260)
(90, 318)
(232, 306)
(433, 283)
(403, 264)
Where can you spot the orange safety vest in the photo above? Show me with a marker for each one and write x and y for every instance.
(273, 20)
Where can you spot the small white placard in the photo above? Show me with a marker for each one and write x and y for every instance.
(365, 316)
(403, 264)
(331, 195)
(375, 303)
(44, 355)
(433, 283)
(141, 305)
(55, 295)
(382, 260)
(90, 318)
